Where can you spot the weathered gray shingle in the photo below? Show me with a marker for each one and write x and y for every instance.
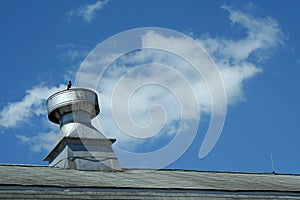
(155, 183)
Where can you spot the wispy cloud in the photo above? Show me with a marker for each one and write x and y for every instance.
(15, 113)
(71, 52)
(39, 142)
(88, 12)
(239, 60)
(262, 34)
(72, 55)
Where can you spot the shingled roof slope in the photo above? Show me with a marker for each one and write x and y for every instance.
(180, 182)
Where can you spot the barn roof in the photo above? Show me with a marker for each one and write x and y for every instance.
(36, 179)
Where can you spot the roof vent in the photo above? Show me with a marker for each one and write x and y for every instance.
(80, 146)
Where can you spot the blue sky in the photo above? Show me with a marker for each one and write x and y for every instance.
(254, 44)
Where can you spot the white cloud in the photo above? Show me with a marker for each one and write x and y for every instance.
(233, 58)
(231, 55)
(262, 34)
(39, 142)
(33, 104)
(14, 114)
(88, 12)
(71, 51)
(234, 78)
